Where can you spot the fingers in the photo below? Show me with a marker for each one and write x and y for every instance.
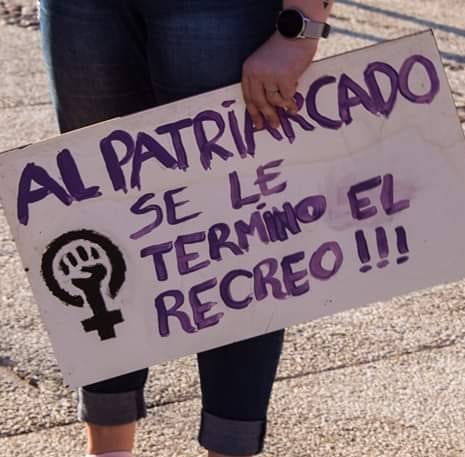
(251, 108)
(263, 97)
(72, 259)
(281, 94)
(257, 104)
(261, 102)
(274, 96)
(287, 90)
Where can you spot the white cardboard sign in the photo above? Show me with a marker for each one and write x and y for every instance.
(180, 229)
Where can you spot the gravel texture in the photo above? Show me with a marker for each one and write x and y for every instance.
(385, 380)
(19, 14)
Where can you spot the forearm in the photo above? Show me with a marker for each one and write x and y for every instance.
(318, 10)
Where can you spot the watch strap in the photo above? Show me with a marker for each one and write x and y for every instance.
(313, 29)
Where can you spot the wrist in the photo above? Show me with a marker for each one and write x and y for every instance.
(306, 47)
(298, 43)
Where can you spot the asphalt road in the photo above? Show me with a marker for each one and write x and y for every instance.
(385, 380)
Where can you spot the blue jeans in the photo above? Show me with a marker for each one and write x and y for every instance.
(109, 58)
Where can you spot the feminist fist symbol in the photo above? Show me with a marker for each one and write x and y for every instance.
(80, 267)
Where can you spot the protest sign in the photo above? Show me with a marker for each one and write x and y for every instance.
(180, 228)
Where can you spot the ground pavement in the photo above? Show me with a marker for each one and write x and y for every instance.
(385, 380)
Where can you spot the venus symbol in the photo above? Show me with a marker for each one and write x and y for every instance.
(84, 267)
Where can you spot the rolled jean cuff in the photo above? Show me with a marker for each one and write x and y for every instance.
(231, 437)
(111, 408)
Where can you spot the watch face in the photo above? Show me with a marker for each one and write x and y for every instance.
(290, 23)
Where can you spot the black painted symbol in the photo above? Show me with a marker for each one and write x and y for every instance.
(382, 246)
(85, 267)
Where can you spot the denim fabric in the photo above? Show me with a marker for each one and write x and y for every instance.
(236, 382)
(221, 435)
(109, 58)
(112, 408)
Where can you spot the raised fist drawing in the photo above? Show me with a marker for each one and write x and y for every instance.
(97, 273)
(84, 267)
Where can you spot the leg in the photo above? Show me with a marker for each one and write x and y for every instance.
(195, 46)
(110, 409)
(98, 70)
(104, 438)
(236, 382)
(95, 56)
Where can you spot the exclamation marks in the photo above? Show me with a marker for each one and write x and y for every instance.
(402, 245)
(382, 245)
(362, 249)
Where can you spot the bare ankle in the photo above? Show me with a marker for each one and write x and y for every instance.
(106, 438)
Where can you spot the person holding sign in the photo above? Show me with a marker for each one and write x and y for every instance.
(111, 58)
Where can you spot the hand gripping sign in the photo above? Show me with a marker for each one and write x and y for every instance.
(180, 229)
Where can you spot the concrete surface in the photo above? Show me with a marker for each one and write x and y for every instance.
(385, 380)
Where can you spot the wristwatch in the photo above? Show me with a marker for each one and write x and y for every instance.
(292, 23)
